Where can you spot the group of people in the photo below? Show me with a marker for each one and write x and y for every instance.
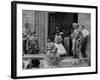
(62, 44)
(75, 43)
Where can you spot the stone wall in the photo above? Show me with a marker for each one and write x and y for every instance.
(41, 23)
(85, 19)
(38, 22)
(29, 17)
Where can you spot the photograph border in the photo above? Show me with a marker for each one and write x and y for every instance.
(14, 38)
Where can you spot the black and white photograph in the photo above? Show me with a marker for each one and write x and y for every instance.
(54, 39)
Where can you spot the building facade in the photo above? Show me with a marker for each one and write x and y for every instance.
(43, 23)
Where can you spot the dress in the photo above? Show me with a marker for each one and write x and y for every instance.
(61, 49)
(58, 44)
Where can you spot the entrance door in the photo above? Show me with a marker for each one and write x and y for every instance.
(63, 21)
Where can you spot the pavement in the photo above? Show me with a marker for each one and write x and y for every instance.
(72, 62)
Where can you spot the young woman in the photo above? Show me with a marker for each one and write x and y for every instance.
(58, 43)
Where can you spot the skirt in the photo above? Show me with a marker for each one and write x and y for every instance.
(61, 49)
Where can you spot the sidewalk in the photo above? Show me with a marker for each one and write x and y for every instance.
(70, 62)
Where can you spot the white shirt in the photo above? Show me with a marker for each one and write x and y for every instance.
(85, 32)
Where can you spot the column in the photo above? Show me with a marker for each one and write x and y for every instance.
(41, 23)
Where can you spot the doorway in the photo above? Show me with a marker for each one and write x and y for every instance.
(64, 22)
